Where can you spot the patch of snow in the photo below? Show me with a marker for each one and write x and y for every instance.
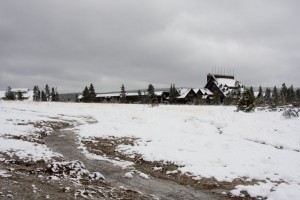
(4, 174)
(128, 175)
(145, 176)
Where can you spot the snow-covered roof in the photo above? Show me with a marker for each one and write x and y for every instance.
(108, 95)
(226, 82)
(196, 90)
(183, 92)
(19, 89)
(206, 91)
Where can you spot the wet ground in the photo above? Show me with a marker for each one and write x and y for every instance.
(66, 143)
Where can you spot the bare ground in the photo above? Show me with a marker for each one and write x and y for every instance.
(34, 180)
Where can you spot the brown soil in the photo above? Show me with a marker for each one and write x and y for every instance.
(32, 180)
(108, 146)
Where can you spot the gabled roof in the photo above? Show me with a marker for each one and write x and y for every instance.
(19, 89)
(183, 92)
(206, 91)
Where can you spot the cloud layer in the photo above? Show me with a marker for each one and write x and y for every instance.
(70, 44)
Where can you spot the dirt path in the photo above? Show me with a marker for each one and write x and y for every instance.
(64, 142)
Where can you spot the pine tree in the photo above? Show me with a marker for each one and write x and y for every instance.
(151, 97)
(20, 95)
(34, 93)
(298, 95)
(38, 94)
(283, 94)
(86, 95)
(247, 101)
(92, 94)
(47, 92)
(290, 94)
(173, 94)
(267, 96)
(275, 96)
(52, 94)
(9, 95)
(123, 94)
(260, 96)
(251, 90)
(43, 96)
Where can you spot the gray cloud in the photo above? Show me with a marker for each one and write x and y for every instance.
(70, 44)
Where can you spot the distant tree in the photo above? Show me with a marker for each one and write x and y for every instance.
(283, 94)
(251, 90)
(173, 94)
(275, 96)
(260, 96)
(151, 97)
(298, 95)
(290, 94)
(247, 101)
(123, 95)
(47, 92)
(9, 95)
(86, 95)
(260, 92)
(53, 96)
(43, 96)
(19, 95)
(92, 94)
(36, 93)
(267, 96)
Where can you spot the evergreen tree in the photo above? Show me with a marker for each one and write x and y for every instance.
(275, 96)
(290, 94)
(267, 96)
(92, 94)
(283, 94)
(173, 94)
(260, 96)
(260, 92)
(247, 101)
(43, 96)
(9, 95)
(47, 92)
(123, 95)
(298, 95)
(151, 97)
(251, 90)
(36, 93)
(20, 95)
(53, 97)
(86, 95)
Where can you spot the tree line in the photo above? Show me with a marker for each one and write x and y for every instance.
(45, 95)
(89, 95)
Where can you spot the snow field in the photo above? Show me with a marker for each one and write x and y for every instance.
(208, 141)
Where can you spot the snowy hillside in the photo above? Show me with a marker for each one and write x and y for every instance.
(207, 141)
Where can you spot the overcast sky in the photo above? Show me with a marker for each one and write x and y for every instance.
(72, 43)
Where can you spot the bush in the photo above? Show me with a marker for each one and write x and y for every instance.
(290, 113)
(246, 102)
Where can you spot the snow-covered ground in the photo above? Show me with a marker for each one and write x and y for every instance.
(208, 141)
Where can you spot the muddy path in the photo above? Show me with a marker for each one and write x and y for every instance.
(66, 143)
